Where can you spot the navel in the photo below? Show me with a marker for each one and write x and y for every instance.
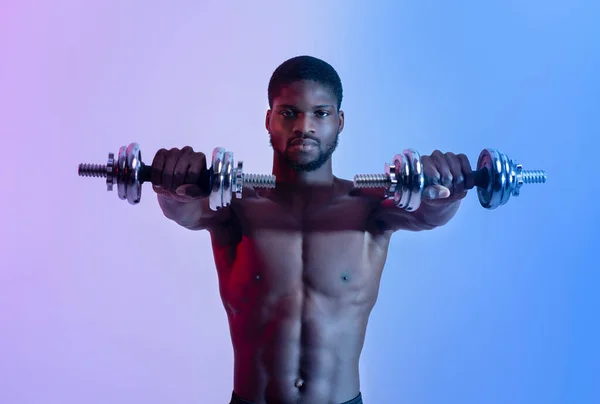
(345, 277)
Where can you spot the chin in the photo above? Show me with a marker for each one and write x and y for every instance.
(304, 166)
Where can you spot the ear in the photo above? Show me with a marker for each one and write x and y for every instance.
(341, 117)
(268, 121)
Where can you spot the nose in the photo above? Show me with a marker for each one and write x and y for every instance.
(303, 125)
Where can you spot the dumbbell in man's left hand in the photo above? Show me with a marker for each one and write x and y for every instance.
(448, 177)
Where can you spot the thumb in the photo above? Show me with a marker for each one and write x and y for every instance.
(189, 190)
(436, 192)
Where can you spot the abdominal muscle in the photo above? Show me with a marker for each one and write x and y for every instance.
(298, 328)
(298, 349)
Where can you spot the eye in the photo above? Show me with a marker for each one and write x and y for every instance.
(287, 113)
(322, 114)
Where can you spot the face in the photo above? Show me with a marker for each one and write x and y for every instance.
(304, 125)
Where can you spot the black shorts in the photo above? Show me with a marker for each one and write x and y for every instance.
(235, 399)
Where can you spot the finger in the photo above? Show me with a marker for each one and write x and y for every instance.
(160, 191)
(435, 192)
(181, 167)
(158, 164)
(467, 171)
(459, 196)
(173, 196)
(455, 170)
(189, 190)
(432, 175)
(196, 170)
(442, 166)
(170, 163)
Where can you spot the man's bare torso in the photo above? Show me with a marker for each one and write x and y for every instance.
(298, 276)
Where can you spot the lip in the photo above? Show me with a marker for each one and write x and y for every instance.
(303, 142)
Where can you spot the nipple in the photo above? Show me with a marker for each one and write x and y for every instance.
(299, 383)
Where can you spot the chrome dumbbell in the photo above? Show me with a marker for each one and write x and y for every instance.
(128, 173)
(497, 178)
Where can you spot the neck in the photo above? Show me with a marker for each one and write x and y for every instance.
(287, 176)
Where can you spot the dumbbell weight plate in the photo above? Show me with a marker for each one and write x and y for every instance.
(508, 178)
(400, 172)
(216, 194)
(416, 179)
(227, 192)
(110, 172)
(239, 179)
(390, 171)
(121, 168)
(134, 163)
(491, 160)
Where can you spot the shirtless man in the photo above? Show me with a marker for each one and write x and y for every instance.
(299, 265)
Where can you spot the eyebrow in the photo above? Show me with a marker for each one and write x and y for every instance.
(316, 106)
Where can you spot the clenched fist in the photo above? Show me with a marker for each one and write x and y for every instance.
(180, 174)
(448, 177)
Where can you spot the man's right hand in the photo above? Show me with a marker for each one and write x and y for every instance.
(180, 174)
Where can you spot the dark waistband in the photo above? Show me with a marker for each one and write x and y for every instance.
(235, 399)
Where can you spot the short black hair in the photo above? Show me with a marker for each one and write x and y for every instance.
(301, 68)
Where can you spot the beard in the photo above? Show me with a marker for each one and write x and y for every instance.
(313, 165)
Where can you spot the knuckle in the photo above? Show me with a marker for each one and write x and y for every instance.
(160, 155)
(427, 163)
(182, 160)
(192, 175)
(199, 159)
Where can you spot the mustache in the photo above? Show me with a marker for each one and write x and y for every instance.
(303, 137)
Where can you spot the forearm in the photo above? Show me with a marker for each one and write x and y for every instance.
(186, 214)
(436, 215)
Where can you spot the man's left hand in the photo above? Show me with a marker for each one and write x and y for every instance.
(448, 177)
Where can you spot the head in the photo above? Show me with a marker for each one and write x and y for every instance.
(305, 97)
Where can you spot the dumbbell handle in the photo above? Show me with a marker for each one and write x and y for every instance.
(481, 179)
(205, 181)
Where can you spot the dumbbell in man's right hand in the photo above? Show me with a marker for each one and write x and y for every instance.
(180, 174)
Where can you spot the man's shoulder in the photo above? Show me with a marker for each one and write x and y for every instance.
(346, 187)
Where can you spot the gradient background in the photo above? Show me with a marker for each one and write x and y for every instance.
(103, 302)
